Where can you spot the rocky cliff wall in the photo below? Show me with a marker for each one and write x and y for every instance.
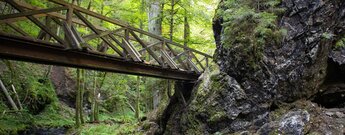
(279, 71)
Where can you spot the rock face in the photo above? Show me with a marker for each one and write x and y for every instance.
(266, 87)
(64, 85)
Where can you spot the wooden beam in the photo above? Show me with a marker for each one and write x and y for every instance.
(193, 65)
(131, 50)
(169, 60)
(102, 34)
(179, 59)
(37, 22)
(30, 13)
(80, 39)
(93, 14)
(25, 49)
(149, 46)
(94, 29)
(73, 41)
(152, 53)
(197, 60)
(179, 55)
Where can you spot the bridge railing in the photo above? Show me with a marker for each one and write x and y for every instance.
(76, 28)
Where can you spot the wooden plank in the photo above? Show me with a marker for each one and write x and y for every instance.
(131, 50)
(73, 41)
(80, 39)
(196, 69)
(197, 60)
(32, 12)
(93, 14)
(179, 55)
(169, 60)
(94, 29)
(152, 53)
(37, 22)
(102, 34)
(116, 41)
(178, 59)
(149, 46)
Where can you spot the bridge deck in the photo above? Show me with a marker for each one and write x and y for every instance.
(68, 37)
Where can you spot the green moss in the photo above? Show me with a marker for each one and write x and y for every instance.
(12, 123)
(55, 115)
(218, 116)
(340, 43)
(251, 26)
(40, 102)
(106, 129)
(327, 35)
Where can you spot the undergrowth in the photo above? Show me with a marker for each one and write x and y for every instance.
(41, 107)
(250, 26)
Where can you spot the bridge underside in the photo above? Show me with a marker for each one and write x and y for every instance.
(23, 49)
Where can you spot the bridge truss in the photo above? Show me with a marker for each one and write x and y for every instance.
(68, 35)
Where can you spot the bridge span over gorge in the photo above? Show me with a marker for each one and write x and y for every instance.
(69, 35)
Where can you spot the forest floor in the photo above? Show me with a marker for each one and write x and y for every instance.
(58, 118)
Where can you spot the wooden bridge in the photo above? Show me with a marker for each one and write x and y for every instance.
(68, 35)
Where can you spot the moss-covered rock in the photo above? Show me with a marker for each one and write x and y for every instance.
(270, 53)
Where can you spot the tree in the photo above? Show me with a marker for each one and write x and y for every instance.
(155, 17)
(137, 107)
(78, 104)
(155, 27)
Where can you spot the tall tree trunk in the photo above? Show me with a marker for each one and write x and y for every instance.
(97, 95)
(186, 33)
(155, 17)
(77, 104)
(172, 19)
(82, 95)
(137, 108)
(93, 97)
(155, 27)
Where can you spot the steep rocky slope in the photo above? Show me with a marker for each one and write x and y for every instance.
(279, 72)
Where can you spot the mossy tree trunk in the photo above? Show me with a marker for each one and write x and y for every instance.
(93, 97)
(79, 97)
(137, 108)
(82, 95)
(77, 104)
